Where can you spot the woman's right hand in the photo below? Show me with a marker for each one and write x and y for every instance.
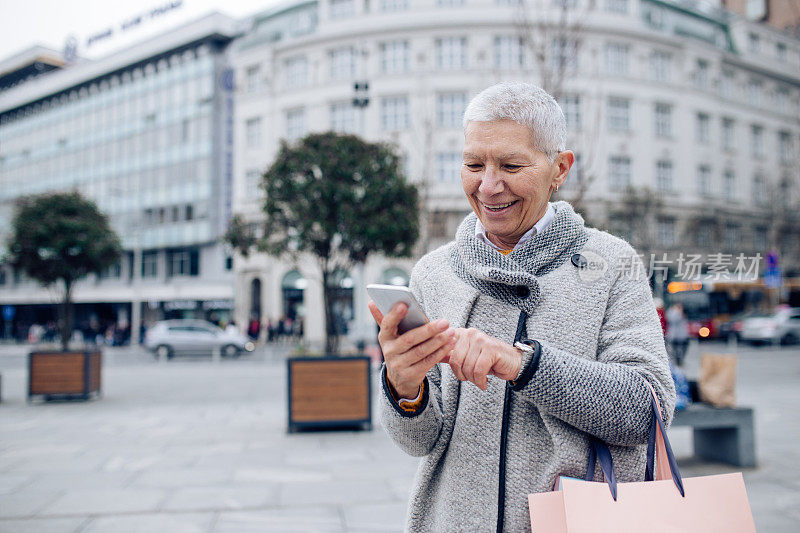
(409, 356)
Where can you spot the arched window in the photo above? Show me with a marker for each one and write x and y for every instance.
(394, 276)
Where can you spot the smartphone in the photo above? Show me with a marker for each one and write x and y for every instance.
(387, 296)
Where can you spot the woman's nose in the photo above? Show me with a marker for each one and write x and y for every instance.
(491, 182)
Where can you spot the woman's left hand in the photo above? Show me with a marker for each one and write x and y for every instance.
(476, 355)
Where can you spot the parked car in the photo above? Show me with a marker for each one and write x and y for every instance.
(170, 337)
(783, 327)
(733, 326)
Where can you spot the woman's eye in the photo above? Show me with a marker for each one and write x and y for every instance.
(473, 166)
(513, 168)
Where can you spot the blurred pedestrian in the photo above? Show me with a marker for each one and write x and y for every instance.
(677, 332)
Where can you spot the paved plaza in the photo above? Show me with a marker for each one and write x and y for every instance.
(193, 445)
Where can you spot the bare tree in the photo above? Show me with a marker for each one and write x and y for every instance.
(552, 33)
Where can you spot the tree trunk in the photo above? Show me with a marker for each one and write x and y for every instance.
(331, 335)
(66, 316)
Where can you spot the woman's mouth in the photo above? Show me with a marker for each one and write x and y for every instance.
(495, 208)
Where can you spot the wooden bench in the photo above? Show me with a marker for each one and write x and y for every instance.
(722, 434)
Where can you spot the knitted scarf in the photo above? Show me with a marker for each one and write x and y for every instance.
(512, 278)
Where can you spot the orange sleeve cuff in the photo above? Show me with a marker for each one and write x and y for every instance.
(409, 406)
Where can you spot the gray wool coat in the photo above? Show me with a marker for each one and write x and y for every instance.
(600, 340)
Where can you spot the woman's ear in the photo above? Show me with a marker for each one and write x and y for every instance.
(562, 164)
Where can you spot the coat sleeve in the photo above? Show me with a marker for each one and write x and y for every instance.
(606, 395)
(416, 433)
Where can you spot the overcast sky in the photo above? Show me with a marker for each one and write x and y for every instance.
(24, 23)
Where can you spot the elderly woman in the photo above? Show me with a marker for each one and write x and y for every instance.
(546, 330)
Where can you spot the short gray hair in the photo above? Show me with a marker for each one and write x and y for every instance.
(525, 104)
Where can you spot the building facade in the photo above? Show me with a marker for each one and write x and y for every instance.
(147, 133)
(683, 117)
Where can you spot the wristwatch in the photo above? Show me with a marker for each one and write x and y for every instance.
(531, 352)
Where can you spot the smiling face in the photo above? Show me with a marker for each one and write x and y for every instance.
(507, 181)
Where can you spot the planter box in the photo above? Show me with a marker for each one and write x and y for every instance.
(329, 392)
(64, 375)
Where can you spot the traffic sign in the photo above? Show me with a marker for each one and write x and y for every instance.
(9, 311)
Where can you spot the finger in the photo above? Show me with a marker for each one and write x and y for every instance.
(456, 359)
(392, 319)
(423, 350)
(416, 336)
(482, 367)
(468, 366)
(439, 356)
(376, 313)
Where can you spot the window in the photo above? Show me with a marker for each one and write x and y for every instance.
(785, 147)
(617, 59)
(701, 74)
(665, 232)
(575, 178)
(703, 130)
(704, 180)
(252, 182)
(660, 66)
(112, 272)
(295, 123)
(450, 109)
(564, 55)
(754, 92)
(663, 120)
(3, 278)
(753, 43)
(342, 9)
(508, 52)
(343, 118)
(448, 167)
(394, 113)
(394, 57)
(617, 6)
(729, 185)
(189, 212)
(343, 63)
(782, 99)
(451, 53)
(571, 106)
(618, 114)
(149, 264)
(619, 172)
(780, 51)
(726, 84)
(253, 78)
(664, 175)
(296, 72)
(728, 134)
(253, 132)
(183, 262)
(757, 140)
(760, 238)
(731, 236)
(759, 192)
(394, 5)
(703, 236)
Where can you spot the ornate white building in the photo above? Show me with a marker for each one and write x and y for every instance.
(684, 118)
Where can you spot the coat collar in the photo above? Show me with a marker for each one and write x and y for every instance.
(513, 278)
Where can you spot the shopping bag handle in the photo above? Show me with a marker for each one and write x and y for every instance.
(659, 454)
(659, 449)
(599, 452)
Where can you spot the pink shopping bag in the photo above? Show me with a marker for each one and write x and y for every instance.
(668, 504)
